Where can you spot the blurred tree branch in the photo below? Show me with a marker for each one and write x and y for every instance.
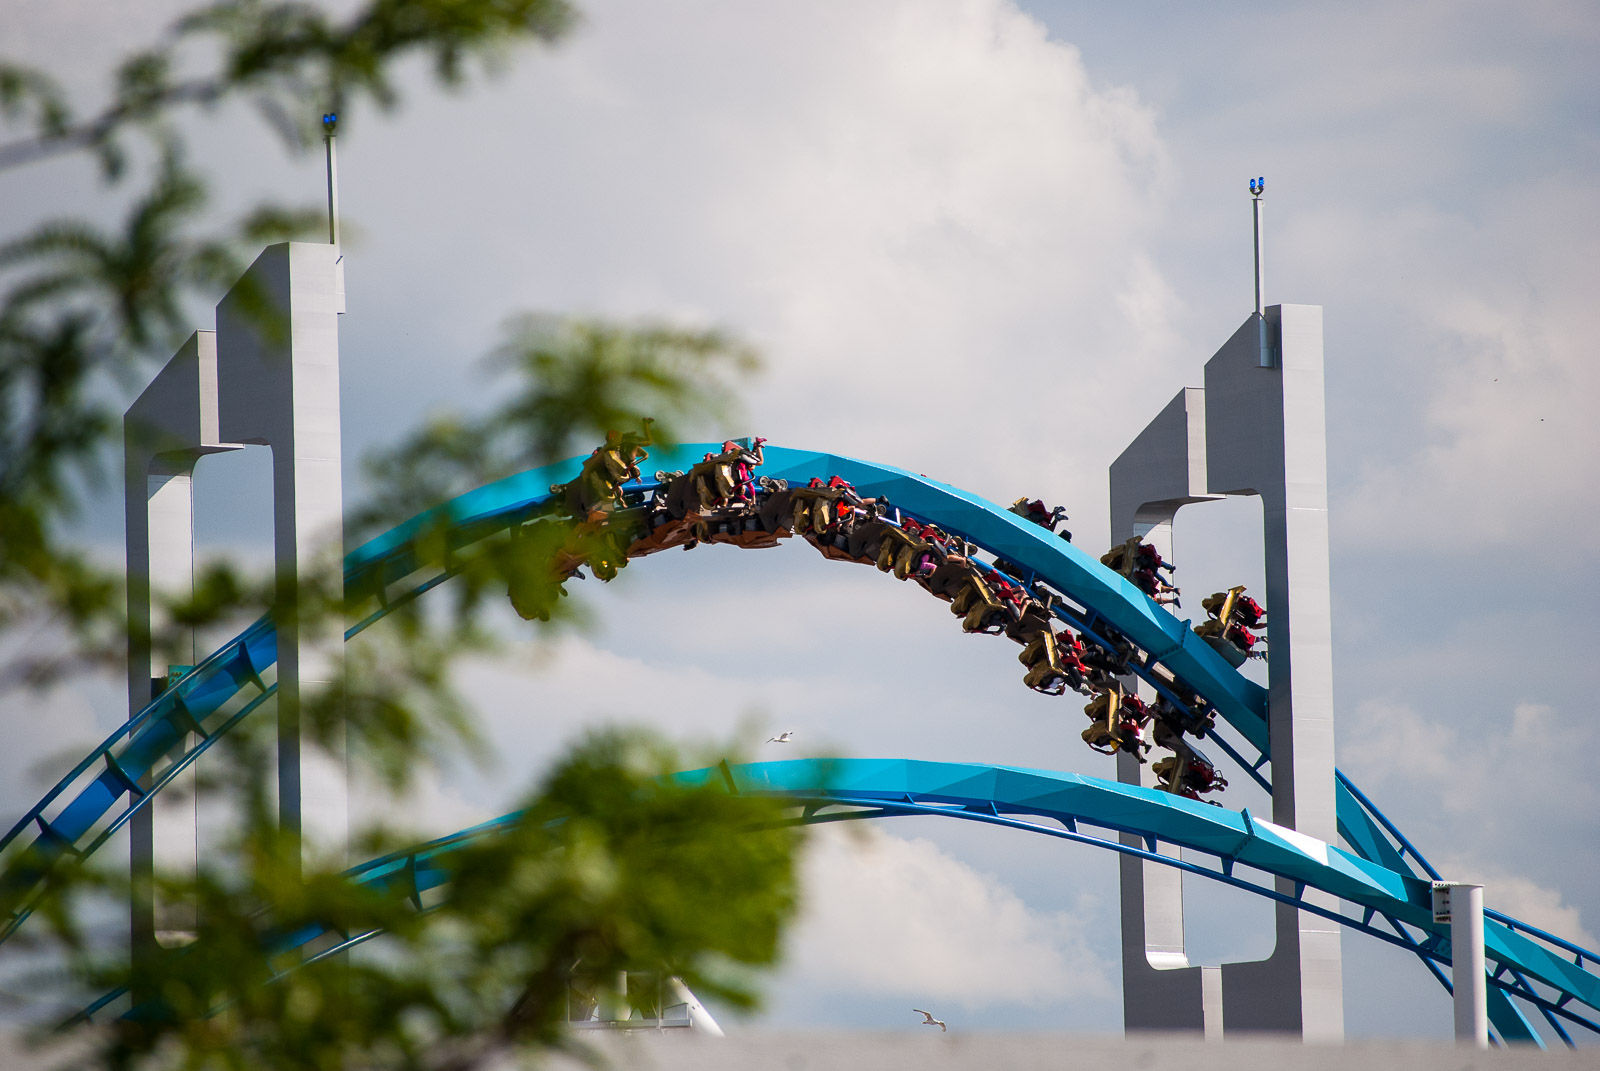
(613, 866)
(290, 59)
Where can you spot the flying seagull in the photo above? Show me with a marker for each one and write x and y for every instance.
(781, 738)
(929, 1020)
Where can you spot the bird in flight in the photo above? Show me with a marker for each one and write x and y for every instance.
(929, 1020)
(781, 738)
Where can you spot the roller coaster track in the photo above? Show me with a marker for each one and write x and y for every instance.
(1383, 874)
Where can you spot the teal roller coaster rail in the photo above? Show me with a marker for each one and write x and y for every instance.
(1382, 874)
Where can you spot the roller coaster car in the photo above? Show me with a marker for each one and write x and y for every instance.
(813, 507)
(1033, 620)
(1227, 635)
(1107, 664)
(828, 547)
(1195, 720)
(866, 538)
(1048, 672)
(1116, 724)
(1123, 557)
(973, 593)
(1235, 607)
(1212, 632)
(840, 543)
(714, 480)
(985, 604)
(598, 485)
(734, 524)
(901, 549)
(1124, 736)
(1188, 773)
(948, 581)
(1070, 650)
(751, 535)
(664, 534)
(1142, 564)
(679, 495)
(775, 508)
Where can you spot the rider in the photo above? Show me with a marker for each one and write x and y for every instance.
(1117, 724)
(1188, 773)
(1035, 511)
(599, 481)
(1233, 615)
(745, 460)
(1142, 563)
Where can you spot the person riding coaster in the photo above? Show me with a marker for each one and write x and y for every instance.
(834, 518)
(742, 468)
(1142, 564)
(714, 478)
(1035, 511)
(860, 535)
(951, 577)
(1228, 631)
(1235, 607)
(1187, 772)
(814, 506)
(941, 546)
(902, 549)
(1049, 671)
(1106, 665)
(1196, 720)
(1071, 650)
(978, 603)
(598, 485)
(1117, 723)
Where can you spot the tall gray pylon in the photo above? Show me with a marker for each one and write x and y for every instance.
(268, 375)
(1257, 427)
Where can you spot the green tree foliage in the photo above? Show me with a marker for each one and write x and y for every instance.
(613, 864)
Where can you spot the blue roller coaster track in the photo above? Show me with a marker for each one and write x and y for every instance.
(1381, 875)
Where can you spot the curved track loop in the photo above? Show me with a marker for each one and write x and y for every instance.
(1249, 854)
(102, 792)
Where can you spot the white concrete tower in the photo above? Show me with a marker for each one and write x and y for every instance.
(1257, 428)
(269, 374)
(278, 385)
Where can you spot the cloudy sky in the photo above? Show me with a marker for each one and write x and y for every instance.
(987, 240)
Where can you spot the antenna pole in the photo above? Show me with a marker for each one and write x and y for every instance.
(1266, 343)
(1257, 188)
(329, 122)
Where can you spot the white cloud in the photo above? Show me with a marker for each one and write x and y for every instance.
(1491, 791)
(1503, 425)
(1512, 769)
(892, 916)
(929, 215)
